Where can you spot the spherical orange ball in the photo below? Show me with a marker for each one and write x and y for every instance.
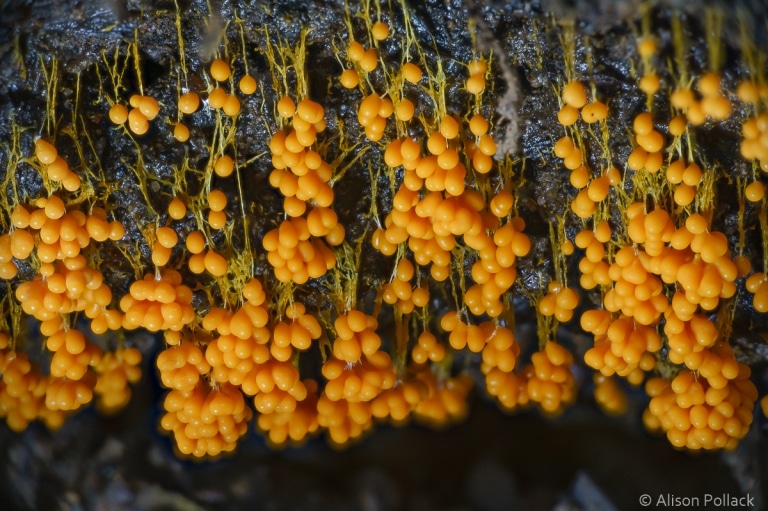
(380, 31)
(118, 114)
(411, 72)
(220, 70)
(247, 85)
(189, 102)
(181, 132)
(349, 79)
(574, 94)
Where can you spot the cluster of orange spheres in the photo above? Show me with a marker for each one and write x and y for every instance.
(344, 407)
(757, 284)
(181, 365)
(203, 260)
(754, 146)
(72, 354)
(360, 382)
(609, 396)
(550, 382)
(300, 173)
(22, 390)
(294, 256)
(574, 98)
(366, 58)
(56, 234)
(115, 371)
(622, 346)
(636, 292)
(400, 293)
(218, 98)
(206, 421)
(143, 110)
(697, 415)
(649, 83)
(294, 425)
(276, 385)
(712, 105)
(499, 354)
(242, 337)
(297, 331)
(355, 336)
(591, 191)
(510, 389)
(232, 358)
(307, 120)
(463, 334)
(427, 349)
(158, 302)
(399, 402)
(68, 286)
(707, 272)
(560, 301)
(343, 420)
(593, 267)
(686, 177)
(497, 343)
(302, 177)
(373, 114)
(476, 81)
(56, 167)
(71, 384)
(446, 399)
(495, 272)
(650, 142)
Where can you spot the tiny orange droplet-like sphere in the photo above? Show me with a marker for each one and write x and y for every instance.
(149, 107)
(118, 114)
(475, 84)
(231, 105)
(217, 97)
(217, 200)
(478, 67)
(411, 72)
(215, 263)
(138, 122)
(370, 60)
(567, 115)
(380, 31)
(286, 107)
(195, 242)
(224, 165)
(355, 51)
(677, 125)
(650, 84)
(594, 112)
(220, 70)
(478, 125)
(405, 110)
(181, 132)
(646, 47)
(247, 84)
(189, 102)
(177, 209)
(45, 151)
(449, 128)
(349, 79)
(755, 191)
(574, 94)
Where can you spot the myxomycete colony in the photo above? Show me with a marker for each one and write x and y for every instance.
(326, 225)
